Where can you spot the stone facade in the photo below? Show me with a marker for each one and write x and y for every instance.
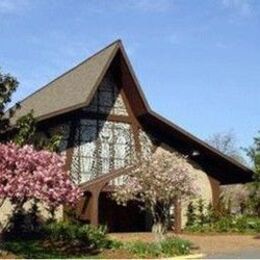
(6, 211)
(202, 181)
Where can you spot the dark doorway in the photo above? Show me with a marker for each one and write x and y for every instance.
(119, 218)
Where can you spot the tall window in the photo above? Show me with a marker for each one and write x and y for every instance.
(100, 147)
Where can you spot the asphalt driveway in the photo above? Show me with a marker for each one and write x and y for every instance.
(227, 246)
(249, 253)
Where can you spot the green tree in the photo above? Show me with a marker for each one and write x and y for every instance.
(24, 131)
(8, 86)
(254, 154)
(26, 134)
(191, 214)
(201, 212)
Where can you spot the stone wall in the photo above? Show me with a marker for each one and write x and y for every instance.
(201, 179)
(6, 211)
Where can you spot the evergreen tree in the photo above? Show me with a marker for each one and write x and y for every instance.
(201, 212)
(191, 215)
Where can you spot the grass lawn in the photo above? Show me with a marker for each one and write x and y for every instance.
(38, 249)
(132, 249)
(30, 249)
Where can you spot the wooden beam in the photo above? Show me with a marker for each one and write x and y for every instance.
(94, 208)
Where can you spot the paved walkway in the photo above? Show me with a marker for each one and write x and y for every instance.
(227, 246)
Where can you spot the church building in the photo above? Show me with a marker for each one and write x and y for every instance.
(106, 120)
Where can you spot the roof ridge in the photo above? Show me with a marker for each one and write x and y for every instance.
(116, 42)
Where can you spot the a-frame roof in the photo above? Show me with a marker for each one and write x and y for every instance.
(71, 90)
(75, 89)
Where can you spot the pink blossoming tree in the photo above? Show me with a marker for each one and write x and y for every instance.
(157, 183)
(27, 174)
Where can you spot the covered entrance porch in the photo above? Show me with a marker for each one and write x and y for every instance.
(98, 208)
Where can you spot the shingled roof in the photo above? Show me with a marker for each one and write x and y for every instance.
(71, 90)
(75, 89)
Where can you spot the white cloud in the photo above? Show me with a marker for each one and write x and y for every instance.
(243, 7)
(13, 6)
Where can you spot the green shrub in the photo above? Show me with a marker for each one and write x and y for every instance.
(175, 246)
(93, 237)
(225, 224)
(23, 224)
(165, 248)
(143, 250)
(239, 224)
(201, 212)
(31, 249)
(191, 215)
(62, 240)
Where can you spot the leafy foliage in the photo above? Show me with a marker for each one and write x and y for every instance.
(171, 246)
(166, 248)
(201, 211)
(90, 236)
(157, 183)
(62, 240)
(25, 224)
(32, 249)
(25, 129)
(254, 197)
(27, 174)
(8, 85)
(230, 224)
(191, 214)
(219, 220)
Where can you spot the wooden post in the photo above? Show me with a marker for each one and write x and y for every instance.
(215, 187)
(94, 208)
(90, 209)
(177, 213)
(94, 204)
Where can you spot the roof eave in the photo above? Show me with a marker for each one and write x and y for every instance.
(201, 143)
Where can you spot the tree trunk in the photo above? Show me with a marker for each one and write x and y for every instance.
(158, 228)
(160, 220)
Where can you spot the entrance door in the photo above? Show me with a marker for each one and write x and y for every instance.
(119, 218)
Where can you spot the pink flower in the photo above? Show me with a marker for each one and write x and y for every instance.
(29, 174)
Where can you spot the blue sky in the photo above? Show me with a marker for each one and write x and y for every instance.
(198, 61)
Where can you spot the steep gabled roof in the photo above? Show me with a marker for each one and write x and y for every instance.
(75, 89)
(71, 90)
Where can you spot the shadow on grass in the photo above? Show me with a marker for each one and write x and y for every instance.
(46, 249)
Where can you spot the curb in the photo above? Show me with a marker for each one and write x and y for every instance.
(194, 256)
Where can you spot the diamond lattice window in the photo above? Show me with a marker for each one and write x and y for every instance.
(101, 147)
